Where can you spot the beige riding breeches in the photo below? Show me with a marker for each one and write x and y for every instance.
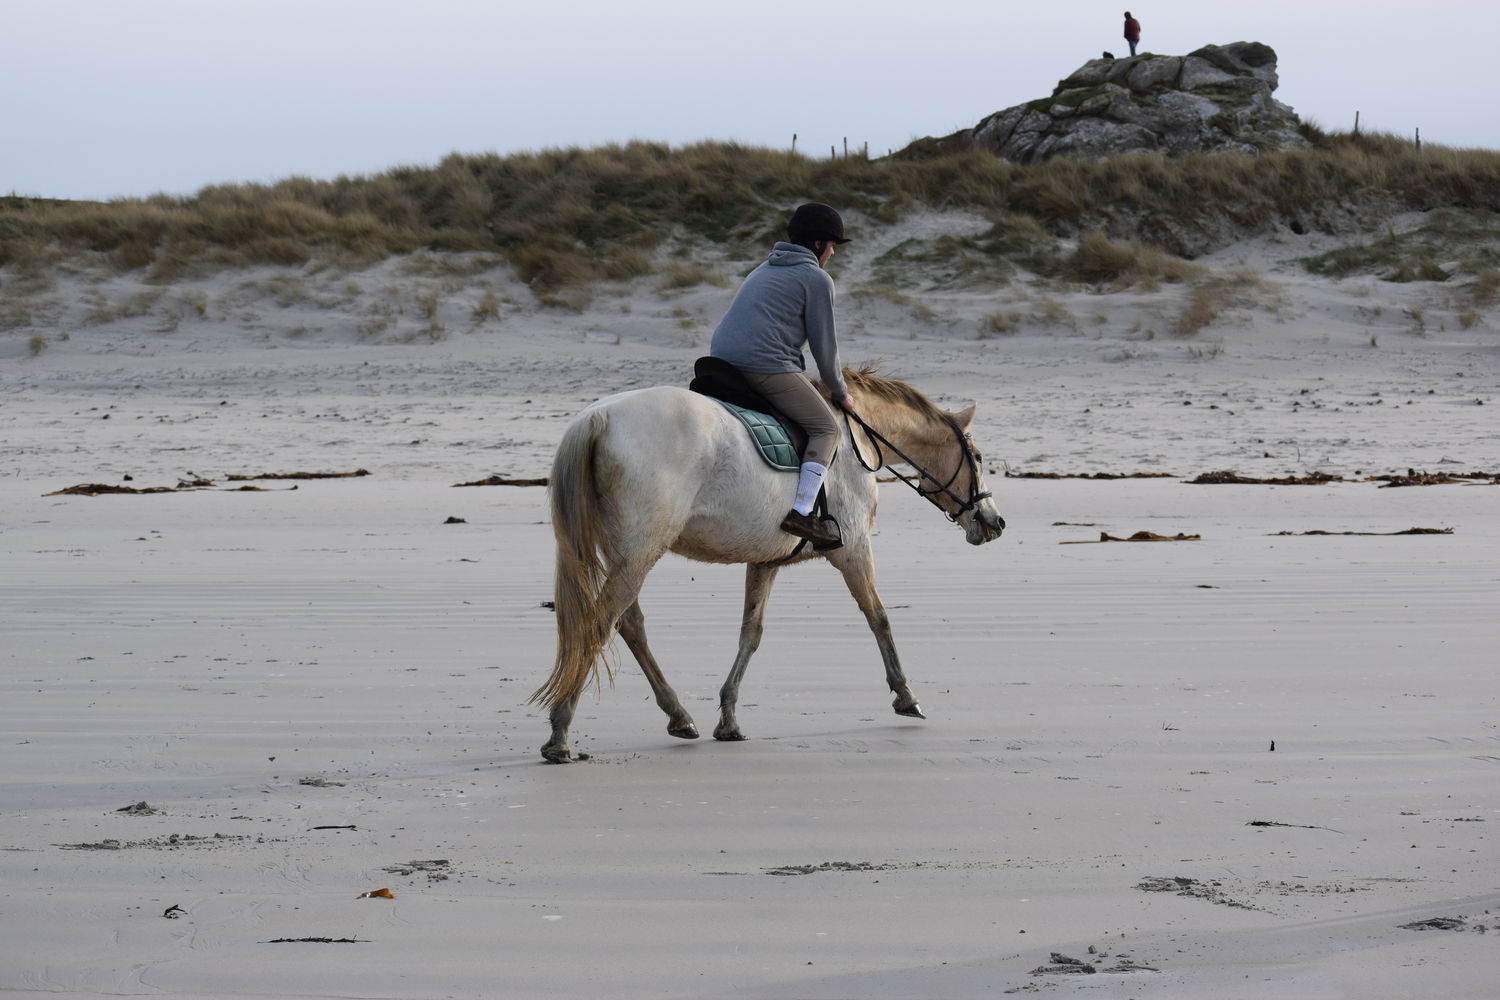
(794, 395)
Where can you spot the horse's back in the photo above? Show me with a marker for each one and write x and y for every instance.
(657, 446)
(647, 428)
(678, 471)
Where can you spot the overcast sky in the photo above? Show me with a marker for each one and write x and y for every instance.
(116, 98)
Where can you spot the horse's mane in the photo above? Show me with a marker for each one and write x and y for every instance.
(867, 379)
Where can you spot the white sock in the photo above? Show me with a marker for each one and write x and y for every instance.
(808, 485)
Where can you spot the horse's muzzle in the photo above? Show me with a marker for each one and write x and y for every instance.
(986, 526)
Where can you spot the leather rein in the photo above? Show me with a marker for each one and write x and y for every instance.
(970, 460)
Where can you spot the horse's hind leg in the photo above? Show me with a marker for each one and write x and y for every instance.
(556, 750)
(619, 591)
(858, 568)
(758, 580)
(633, 631)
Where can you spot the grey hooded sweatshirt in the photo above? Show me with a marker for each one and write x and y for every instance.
(784, 303)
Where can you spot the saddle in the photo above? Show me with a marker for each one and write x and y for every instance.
(780, 441)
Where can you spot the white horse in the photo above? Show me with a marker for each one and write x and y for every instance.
(661, 470)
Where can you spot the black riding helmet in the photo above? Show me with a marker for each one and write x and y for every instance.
(813, 222)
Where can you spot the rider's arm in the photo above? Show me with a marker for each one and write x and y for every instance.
(822, 341)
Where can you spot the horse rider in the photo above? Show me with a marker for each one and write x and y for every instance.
(786, 303)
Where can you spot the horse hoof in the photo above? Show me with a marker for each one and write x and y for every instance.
(556, 755)
(912, 711)
(687, 732)
(729, 735)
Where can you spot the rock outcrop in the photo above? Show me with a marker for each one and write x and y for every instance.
(1215, 99)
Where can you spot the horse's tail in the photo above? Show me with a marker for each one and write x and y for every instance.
(578, 525)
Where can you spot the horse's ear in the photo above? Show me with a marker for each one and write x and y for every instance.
(965, 417)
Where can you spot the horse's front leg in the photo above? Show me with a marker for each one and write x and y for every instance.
(858, 567)
(633, 631)
(758, 580)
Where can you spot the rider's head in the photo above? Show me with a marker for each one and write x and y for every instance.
(815, 226)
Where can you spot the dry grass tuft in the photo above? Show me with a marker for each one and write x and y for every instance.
(487, 308)
(1208, 300)
(1099, 261)
(998, 323)
(679, 276)
(1051, 312)
(1485, 287)
(427, 303)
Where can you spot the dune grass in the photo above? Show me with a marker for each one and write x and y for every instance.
(1449, 240)
(566, 219)
(1211, 297)
(1099, 261)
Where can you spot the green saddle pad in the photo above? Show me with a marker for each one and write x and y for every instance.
(769, 436)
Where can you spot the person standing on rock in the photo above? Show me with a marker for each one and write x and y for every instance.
(1132, 31)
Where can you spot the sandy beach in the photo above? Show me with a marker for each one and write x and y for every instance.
(1256, 763)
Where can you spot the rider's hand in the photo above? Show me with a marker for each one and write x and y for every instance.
(846, 404)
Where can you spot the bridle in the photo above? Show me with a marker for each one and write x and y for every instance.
(970, 460)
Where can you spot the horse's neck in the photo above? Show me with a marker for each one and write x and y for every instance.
(908, 429)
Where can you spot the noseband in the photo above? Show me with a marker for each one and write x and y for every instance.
(969, 460)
